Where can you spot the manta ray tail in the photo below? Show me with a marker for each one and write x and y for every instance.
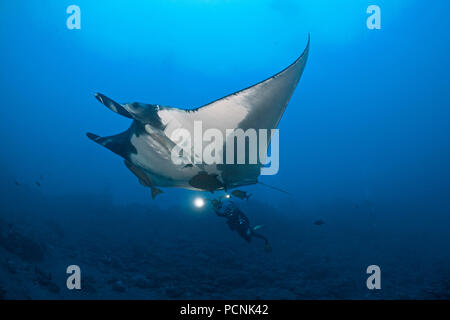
(274, 188)
(112, 105)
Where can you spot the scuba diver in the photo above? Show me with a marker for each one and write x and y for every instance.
(238, 221)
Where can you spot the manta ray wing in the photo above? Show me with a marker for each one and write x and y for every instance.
(259, 106)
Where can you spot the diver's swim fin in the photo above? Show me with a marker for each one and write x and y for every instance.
(155, 192)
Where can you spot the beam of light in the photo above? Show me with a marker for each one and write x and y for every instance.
(199, 202)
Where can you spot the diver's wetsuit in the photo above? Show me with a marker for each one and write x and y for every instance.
(238, 221)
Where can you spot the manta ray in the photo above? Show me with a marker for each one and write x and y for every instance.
(146, 145)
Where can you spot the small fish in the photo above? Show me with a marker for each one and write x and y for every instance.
(38, 183)
(241, 194)
(319, 222)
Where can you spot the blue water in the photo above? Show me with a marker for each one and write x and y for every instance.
(364, 146)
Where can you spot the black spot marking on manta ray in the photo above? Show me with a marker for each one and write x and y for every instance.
(205, 181)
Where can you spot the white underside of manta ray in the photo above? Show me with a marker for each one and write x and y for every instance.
(146, 146)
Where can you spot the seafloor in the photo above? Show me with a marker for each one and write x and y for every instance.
(149, 252)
